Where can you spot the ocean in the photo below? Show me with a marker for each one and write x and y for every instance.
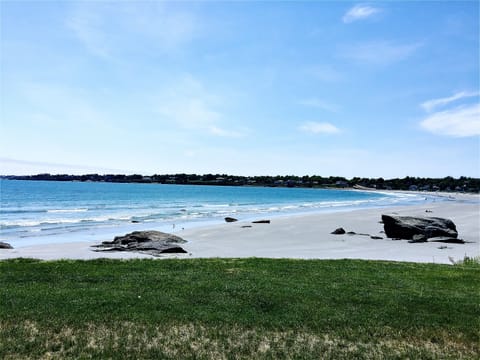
(35, 212)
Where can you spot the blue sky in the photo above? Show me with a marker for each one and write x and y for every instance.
(249, 88)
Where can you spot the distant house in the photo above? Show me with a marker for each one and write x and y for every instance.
(290, 183)
(341, 183)
(413, 188)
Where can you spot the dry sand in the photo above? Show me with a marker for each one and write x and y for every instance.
(306, 237)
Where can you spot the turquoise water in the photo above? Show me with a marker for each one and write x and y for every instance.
(49, 211)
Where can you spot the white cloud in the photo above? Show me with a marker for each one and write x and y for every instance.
(320, 104)
(319, 128)
(461, 121)
(61, 106)
(191, 113)
(359, 12)
(378, 52)
(325, 73)
(432, 104)
(106, 29)
(87, 27)
(215, 130)
(192, 106)
(10, 166)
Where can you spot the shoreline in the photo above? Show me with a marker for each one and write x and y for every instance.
(304, 236)
(73, 230)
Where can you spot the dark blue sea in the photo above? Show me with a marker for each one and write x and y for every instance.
(33, 212)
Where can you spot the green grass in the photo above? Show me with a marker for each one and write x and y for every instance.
(238, 308)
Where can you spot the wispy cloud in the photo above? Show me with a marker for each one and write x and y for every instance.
(62, 106)
(378, 52)
(11, 166)
(98, 25)
(326, 73)
(461, 121)
(430, 105)
(319, 128)
(215, 130)
(319, 104)
(190, 113)
(192, 106)
(86, 27)
(360, 12)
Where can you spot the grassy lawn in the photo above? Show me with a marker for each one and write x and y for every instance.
(238, 308)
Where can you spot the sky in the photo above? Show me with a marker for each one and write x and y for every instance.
(379, 89)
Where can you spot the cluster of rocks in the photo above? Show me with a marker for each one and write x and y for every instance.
(148, 242)
(414, 229)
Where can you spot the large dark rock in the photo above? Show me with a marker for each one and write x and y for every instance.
(149, 242)
(230, 219)
(406, 227)
(4, 245)
(261, 222)
(338, 231)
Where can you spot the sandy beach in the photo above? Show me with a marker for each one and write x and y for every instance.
(305, 237)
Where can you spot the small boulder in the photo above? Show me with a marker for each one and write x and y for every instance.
(230, 219)
(4, 245)
(376, 237)
(339, 231)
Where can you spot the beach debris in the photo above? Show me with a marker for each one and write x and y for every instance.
(230, 219)
(406, 227)
(261, 222)
(418, 238)
(341, 231)
(4, 245)
(355, 233)
(149, 242)
(446, 239)
(246, 226)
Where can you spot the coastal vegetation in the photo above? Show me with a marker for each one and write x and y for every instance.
(238, 309)
(464, 184)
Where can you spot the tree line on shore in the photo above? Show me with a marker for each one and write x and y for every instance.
(464, 184)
